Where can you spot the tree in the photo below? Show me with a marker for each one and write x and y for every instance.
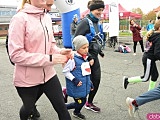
(150, 16)
(137, 10)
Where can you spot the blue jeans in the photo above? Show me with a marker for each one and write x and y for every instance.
(76, 104)
(148, 96)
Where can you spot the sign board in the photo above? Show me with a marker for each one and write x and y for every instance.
(113, 18)
(105, 27)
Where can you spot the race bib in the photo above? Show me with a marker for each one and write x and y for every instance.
(86, 70)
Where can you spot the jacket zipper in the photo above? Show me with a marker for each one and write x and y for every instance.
(47, 33)
(45, 44)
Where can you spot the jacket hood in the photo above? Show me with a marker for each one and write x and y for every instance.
(154, 37)
(30, 9)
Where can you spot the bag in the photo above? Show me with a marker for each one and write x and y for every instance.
(8, 50)
(128, 49)
(124, 49)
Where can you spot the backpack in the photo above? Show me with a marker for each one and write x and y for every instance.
(8, 50)
(98, 37)
(124, 49)
(93, 34)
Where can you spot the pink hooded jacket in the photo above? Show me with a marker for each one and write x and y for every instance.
(30, 44)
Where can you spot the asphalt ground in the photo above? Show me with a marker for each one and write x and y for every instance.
(110, 98)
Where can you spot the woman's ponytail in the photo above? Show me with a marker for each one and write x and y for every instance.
(23, 2)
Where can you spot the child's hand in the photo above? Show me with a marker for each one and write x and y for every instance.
(80, 83)
(77, 82)
(91, 62)
(92, 89)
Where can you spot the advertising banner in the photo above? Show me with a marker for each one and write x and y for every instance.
(113, 18)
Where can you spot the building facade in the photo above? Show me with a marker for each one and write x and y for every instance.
(7, 12)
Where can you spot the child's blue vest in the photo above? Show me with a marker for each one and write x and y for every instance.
(84, 89)
(92, 33)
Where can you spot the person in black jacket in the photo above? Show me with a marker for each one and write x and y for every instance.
(96, 8)
(152, 55)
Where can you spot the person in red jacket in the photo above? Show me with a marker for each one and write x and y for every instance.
(136, 32)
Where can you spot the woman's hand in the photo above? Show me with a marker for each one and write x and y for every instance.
(67, 52)
(59, 59)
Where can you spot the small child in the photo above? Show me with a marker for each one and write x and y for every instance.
(77, 73)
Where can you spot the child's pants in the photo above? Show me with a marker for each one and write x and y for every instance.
(77, 105)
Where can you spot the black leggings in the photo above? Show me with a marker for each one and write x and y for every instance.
(135, 45)
(52, 89)
(95, 78)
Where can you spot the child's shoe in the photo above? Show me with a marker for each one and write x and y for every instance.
(79, 116)
(125, 82)
(131, 108)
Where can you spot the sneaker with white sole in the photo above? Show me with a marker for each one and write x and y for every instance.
(92, 107)
(125, 82)
(131, 108)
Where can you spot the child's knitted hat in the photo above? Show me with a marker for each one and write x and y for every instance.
(79, 41)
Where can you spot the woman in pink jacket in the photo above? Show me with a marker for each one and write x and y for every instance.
(33, 49)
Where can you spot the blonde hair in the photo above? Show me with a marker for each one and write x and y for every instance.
(158, 15)
(156, 29)
(149, 33)
(23, 2)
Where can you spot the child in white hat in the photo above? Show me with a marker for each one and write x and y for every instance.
(77, 73)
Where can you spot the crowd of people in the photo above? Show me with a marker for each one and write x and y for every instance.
(34, 51)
